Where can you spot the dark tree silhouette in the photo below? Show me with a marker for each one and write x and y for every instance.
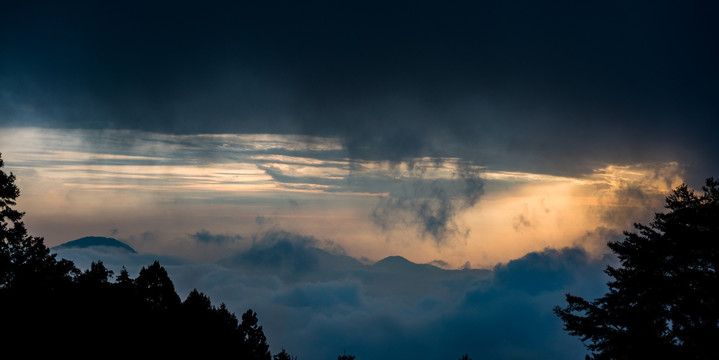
(465, 357)
(97, 276)
(31, 278)
(346, 356)
(25, 261)
(155, 287)
(663, 301)
(55, 305)
(254, 344)
(283, 355)
(124, 280)
(197, 302)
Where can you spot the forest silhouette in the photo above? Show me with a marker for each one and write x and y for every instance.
(59, 309)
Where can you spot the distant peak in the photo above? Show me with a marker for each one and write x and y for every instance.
(91, 241)
(393, 260)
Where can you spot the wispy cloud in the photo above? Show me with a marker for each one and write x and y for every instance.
(206, 237)
(173, 185)
(430, 197)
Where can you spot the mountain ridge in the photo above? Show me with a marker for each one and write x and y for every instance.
(95, 241)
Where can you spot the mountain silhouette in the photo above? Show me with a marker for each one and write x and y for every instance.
(95, 241)
(399, 263)
(393, 276)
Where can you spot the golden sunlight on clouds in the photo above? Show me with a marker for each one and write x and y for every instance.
(152, 190)
(556, 212)
(524, 212)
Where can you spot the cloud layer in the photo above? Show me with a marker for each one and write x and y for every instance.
(317, 304)
(199, 196)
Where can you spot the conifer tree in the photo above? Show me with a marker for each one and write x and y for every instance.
(254, 343)
(25, 261)
(663, 301)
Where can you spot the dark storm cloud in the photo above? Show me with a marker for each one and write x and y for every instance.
(205, 237)
(550, 87)
(431, 206)
(538, 272)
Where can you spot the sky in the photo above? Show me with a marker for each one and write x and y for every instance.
(495, 136)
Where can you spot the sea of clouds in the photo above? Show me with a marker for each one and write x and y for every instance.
(317, 303)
